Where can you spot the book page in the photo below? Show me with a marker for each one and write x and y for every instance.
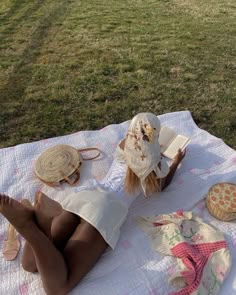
(166, 136)
(179, 142)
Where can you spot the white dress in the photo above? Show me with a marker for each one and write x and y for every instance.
(104, 204)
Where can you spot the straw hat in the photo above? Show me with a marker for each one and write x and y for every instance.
(57, 164)
(221, 201)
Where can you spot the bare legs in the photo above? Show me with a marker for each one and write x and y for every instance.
(57, 224)
(60, 272)
(28, 260)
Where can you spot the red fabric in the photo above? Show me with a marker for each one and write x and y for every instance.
(195, 258)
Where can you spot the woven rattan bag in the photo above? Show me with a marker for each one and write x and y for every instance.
(221, 201)
(61, 163)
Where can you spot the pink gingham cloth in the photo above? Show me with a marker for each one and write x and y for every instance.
(201, 252)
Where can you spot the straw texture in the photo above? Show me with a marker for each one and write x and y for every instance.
(57, 163)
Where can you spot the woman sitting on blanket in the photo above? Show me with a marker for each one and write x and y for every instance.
(64, 241)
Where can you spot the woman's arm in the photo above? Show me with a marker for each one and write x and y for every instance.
(178, 158)
(122, 144)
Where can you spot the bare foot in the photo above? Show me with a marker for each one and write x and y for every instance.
(45, 210)
(16, 213)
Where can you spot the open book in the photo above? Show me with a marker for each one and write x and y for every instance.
(171, 142)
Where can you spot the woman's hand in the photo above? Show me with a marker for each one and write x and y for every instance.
(180, 155)
(177, 159)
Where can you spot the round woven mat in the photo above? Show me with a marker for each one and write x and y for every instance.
(56, 163)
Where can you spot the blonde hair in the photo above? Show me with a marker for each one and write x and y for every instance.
(132, 182)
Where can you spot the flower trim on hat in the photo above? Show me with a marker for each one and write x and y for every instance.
(145, 132)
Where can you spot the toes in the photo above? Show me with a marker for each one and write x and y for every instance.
(4, 199)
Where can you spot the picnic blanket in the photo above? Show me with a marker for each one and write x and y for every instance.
(133, 268)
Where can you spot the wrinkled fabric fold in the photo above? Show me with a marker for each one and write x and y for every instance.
(201, 251)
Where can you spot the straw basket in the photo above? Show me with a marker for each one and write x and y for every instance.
(221, 201)
(61, 163)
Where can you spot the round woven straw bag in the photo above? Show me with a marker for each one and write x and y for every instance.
(61, 163)
(221, 201)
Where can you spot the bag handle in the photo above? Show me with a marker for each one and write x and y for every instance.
(77, 173)
(77, 176)
(89, 149)
(68, 180)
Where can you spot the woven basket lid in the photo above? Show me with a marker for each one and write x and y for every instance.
(223, 196)
(56, 163)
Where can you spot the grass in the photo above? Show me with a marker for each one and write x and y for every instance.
(72, 65)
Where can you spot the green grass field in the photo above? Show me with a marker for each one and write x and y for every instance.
(71, 65)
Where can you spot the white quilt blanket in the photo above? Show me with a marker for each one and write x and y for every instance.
(133, 268)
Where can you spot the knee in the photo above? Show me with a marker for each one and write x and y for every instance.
(63, 227)
(58, 291)
(28, 265)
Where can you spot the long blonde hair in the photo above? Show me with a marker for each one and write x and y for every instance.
(132, 182)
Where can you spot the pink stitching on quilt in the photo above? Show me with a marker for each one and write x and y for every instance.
(234, 160)
(2, 237)
(24, 288)
(126, 244)
(153, 292)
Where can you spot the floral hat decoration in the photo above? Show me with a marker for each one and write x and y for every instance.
(142, 149)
